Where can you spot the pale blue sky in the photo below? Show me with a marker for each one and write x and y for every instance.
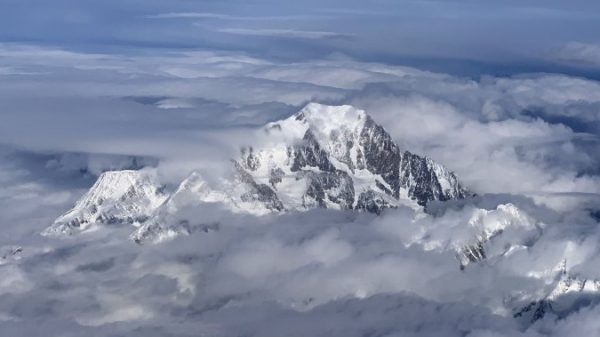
(461, 37)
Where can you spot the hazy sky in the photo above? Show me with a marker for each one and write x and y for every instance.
(464, 37)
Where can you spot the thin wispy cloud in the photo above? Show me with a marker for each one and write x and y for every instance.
(286, 33)
(578, 52)
(217, 16)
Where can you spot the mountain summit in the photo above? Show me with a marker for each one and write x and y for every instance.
(323, 156)
(346, 161)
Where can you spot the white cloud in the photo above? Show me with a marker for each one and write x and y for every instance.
(218, 16)
(321, 272)
(318, 273)
(579, 53)
(289, 33)
(191, 15)
(500, 127)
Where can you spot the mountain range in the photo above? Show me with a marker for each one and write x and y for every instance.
(334, 157)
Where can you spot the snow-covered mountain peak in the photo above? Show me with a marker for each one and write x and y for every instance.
(493, 233)
(491, 222)
(324, 121)
(113, 183)
(117, 196)
(339, 157)
(327, 118)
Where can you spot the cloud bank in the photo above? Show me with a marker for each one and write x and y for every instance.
(535, 134)
(530, 140)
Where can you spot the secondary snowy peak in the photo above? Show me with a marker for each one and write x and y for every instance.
(568, 292)
(238, 195)
(126, 196)
(488, 227)
(193, 190)
(476, 234)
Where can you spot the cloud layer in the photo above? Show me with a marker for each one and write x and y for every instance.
(504, 94)
(530, 140)
(466, 38)
(535, 134)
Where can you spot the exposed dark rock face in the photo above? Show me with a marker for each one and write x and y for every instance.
(471, 254)
(309, 153)
(418, 175)
(343, 143)
(335, 187)
(534, 311)
(276, 177)
(371, 202)
(381, 154)
(383, 187)
(251, 162)
(10, 252)
(257, 192)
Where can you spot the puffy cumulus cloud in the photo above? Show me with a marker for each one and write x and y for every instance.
(522, 156)
(533, 133)
(32, 190)
(529, 140)
(508, 129)
(318, 273)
